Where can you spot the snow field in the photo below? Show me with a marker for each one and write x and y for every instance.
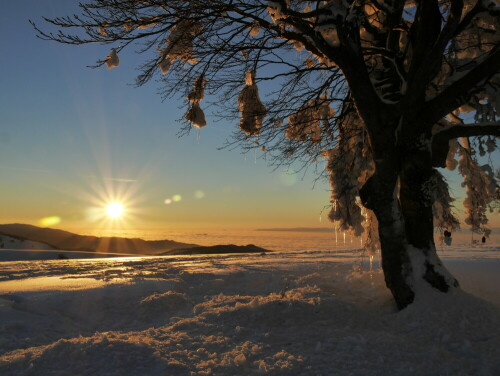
(279, 314)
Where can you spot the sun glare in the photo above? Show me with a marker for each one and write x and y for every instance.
(114, 210)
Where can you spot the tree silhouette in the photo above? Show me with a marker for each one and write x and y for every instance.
(381, 88)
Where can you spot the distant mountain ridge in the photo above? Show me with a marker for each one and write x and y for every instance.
(64, 240)
(218, 249)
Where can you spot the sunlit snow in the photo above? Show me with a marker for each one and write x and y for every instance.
(289, 313)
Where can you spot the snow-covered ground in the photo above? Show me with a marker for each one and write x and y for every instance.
(289, 313)
(13, 249)
(14, 243)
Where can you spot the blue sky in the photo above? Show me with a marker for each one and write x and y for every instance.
(71, 137)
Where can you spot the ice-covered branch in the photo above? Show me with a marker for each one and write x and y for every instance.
(460, 91)
(441, 138)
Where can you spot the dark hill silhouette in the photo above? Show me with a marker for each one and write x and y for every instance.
(216, 249)
(69, 241)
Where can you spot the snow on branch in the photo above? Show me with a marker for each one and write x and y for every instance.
(441, 138)
(460, 91)
(195, 114)
(251, 108)
(112, 60)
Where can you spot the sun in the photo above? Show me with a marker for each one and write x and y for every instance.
(114, 210)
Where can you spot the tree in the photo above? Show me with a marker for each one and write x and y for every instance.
(381, 88)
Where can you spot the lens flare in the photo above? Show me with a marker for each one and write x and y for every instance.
(50, 221)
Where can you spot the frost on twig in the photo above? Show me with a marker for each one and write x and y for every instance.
(306, 122)
(350, 164)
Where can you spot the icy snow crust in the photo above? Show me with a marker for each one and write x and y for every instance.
(288, 313)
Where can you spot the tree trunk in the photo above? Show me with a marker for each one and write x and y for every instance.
(379, 195)
(415, 194)
(406, 225)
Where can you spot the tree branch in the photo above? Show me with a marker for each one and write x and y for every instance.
(423, 34)
(439, 143)
(460, 91)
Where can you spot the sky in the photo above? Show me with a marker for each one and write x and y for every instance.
(74, 139)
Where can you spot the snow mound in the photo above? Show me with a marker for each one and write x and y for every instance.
(101, 354)
(276, 314)
(9, 242)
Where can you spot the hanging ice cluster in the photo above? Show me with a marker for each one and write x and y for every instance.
(326, 23)
(349, 165)
(180, 44)
(372, 241)
(164, 64)
(469, 47)
(146, 22)
(112, 60)
(195, 114)
(480, 37)
(485, 103)
(274, 9)
(480, 188)
(305, 123)
(442, 208)
(102, 31)
(374, 15)
(254, 29)
(252, 111)
(451, 162)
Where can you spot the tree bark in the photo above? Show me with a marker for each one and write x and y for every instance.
(415, 194)
(379, 195)
(406, 228)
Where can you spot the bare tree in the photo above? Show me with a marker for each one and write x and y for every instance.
(381, 88)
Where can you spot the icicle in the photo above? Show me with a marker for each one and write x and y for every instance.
(112, 60)
(254, 29)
